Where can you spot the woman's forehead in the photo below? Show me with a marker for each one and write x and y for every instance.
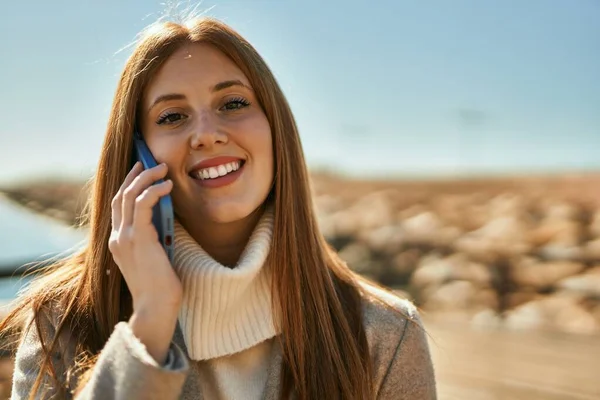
(194, 66)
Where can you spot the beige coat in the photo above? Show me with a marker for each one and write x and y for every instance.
(125, 371)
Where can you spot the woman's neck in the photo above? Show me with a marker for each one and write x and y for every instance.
(224, 242)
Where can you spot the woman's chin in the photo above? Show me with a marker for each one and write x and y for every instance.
(225, 213)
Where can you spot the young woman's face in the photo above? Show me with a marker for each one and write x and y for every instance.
(201, 117)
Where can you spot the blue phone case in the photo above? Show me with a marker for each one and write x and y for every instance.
(162, 212)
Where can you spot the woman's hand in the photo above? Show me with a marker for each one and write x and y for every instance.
(155, 287)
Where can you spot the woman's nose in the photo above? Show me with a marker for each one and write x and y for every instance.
(206, 132)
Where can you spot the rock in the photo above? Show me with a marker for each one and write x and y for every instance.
(595, 224)
(478, 249)
(367, 213)
(485, 298)
(501, 237)
(357, 256)
(595, 311)
(341, 223)
(456, 295)
(560, 210)
(388, 238)
(373, 210)
(466, 211)
(557, 301)
(474, 218)
(406, 262)
(422, 228)
(561, 252)
(448, 235)
(529, 272)
(560, 311)
(541, 235)
(326, 206)
(486, 319)
(559, 234)
(327, 203)
(326, 225)
(562, 232)
(507, 229)
(566, 312)
(412, 211)
(595, 270)
(587, 284)
(591, 250)
(507, 205)
(432, 271)
(574, 318)
(466, 270)
(529, 316)
(516, 299)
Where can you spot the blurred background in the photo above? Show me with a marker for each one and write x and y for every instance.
(453, 150)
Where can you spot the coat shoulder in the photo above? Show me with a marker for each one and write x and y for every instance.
(386, 313)
(398, 346)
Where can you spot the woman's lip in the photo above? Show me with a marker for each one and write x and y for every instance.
(220, 181)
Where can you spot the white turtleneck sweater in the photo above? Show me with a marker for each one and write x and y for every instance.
(226, 317)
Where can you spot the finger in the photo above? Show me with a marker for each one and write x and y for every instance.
(147, 200)
(116, 204)
(135, 188)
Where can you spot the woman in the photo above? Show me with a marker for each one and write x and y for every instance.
(256, 305)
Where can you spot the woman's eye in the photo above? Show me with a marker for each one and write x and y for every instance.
(170, 118)
(235, 104)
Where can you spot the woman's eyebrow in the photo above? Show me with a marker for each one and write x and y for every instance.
(166, 97)
(227, 84)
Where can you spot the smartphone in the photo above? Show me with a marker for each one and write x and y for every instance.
(162, 212)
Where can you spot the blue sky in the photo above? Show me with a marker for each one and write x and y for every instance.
(377, 87)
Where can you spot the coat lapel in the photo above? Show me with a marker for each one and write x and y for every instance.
(192, 390)
(274, 375)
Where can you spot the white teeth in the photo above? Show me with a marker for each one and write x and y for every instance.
(220, 170)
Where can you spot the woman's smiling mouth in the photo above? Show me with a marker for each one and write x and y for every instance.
(218, 171)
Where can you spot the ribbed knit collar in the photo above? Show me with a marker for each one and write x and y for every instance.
(225, 310)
